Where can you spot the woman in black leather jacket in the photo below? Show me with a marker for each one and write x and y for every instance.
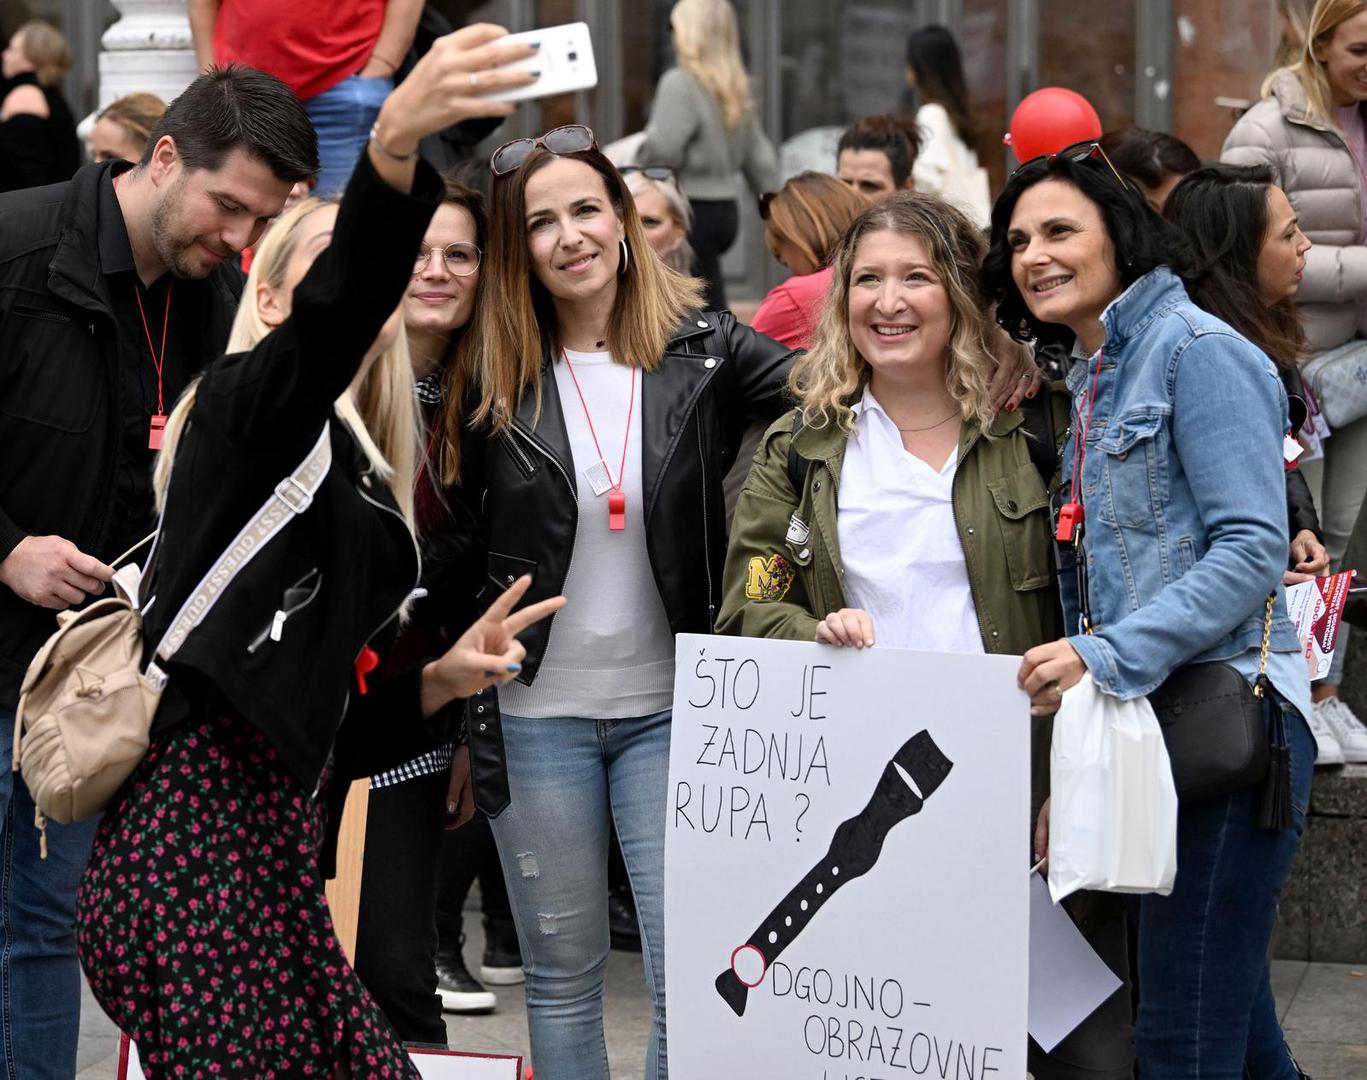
(1248, 254)
(609, 410)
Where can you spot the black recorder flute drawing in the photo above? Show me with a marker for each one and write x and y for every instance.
(910, 778)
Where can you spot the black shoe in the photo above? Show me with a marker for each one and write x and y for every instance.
(623, 930)
(502, 956)
(460, 991)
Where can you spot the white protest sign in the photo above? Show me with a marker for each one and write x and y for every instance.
(432, 1064)
(847, 845)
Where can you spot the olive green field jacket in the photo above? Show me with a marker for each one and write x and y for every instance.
(783, 570)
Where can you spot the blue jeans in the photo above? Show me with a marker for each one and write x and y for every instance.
(1206, 1010)
(40, 980)
(343, 116)
(566, 776)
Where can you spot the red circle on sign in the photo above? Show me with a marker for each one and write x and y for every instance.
(763, 964)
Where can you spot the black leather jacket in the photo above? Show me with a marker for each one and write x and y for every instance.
(520, 487)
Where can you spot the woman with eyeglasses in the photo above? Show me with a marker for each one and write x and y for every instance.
(407, 916)
(609, 407)
(1174, 514)
(666, 214)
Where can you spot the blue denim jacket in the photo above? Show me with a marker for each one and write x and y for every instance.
(1183, 488)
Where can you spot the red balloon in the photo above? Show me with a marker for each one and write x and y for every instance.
(1050, 119)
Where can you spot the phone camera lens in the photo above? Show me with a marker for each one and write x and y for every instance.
(573, 55)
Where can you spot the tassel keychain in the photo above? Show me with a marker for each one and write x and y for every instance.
(1274, 805)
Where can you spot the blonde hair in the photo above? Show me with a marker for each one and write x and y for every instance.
(810, 212)
(515, 333)
(1309, 70)
(47, 50)
(383, 413)
(707, 45)
(831, 375)
(137, 114)
(1297, 16)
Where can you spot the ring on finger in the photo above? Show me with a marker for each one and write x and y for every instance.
(1025, 377)
(474, 80)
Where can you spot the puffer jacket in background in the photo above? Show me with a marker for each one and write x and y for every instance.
(1311, 162)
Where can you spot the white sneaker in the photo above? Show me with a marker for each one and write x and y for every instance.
(1327, 748)
(1348, 730)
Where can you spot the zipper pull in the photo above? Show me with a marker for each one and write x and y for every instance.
(278, 625)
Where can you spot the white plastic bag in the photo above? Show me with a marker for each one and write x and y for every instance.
(1113, 822)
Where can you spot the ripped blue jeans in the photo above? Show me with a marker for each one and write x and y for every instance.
(565, 777)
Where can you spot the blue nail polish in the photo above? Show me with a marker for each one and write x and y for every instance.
(513, 669)
(534, 44)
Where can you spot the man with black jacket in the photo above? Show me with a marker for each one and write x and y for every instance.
(112, 300)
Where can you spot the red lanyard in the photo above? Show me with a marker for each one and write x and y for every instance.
(158, 424)
(617, 500)
(1070, 514)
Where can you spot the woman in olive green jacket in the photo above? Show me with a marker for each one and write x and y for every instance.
(894, 507)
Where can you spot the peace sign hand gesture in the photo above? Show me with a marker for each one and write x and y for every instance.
(488, 653)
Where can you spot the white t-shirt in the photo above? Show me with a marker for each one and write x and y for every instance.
(903, 561)
(611, 651)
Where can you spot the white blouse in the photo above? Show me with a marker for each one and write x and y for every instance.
(899, 543)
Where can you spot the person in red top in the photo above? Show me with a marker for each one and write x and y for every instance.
(803, 221)
(338, 56)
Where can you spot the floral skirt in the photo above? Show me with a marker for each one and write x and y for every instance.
(203, 927)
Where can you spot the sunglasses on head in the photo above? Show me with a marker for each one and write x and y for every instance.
(650, 172)
(1078, 152)
(570, 139)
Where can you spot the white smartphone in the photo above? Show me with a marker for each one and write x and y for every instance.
(565, 60)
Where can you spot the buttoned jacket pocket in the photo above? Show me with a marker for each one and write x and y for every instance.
(1134, 468)
(1023, 519)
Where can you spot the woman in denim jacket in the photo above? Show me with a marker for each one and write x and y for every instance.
(1175, 457)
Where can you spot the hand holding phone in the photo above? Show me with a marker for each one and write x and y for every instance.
(454, 81)
(564, 59)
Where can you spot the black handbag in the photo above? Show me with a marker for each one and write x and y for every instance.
(1224, 735)
(1214, 727)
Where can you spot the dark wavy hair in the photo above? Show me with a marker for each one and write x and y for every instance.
(1142, 240)
(895, 137)
(1221, 210)
(1149, 157)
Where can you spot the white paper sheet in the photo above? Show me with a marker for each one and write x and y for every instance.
(1068, 981)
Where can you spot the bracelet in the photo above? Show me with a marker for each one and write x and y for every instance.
(393, 67)
(375, 138)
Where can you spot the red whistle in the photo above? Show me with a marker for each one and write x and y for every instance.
(617, 510)
(367, 660)
(155, 431)
(1069, 518)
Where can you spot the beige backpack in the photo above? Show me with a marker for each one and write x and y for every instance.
(87, 702)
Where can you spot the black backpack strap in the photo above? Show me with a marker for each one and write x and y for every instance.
(1038, 415)
(797, 465)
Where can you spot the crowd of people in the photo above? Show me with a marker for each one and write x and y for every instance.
(520, 443)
